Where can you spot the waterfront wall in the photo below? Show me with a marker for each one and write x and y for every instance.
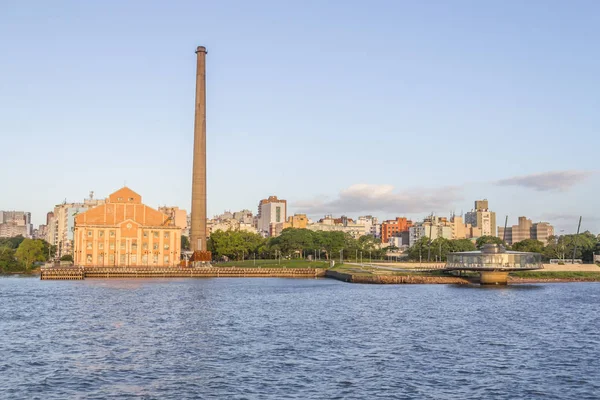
(78, 273)
(395, 279)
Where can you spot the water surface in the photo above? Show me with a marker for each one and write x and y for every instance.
(296, 339)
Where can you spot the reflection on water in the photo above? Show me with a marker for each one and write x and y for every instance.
(296, 339)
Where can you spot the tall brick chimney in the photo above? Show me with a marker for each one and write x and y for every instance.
(198, 227)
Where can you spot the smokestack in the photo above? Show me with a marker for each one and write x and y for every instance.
(198, 228)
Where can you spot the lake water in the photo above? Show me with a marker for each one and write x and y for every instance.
(259, 338)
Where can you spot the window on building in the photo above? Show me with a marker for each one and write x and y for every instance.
(155, 234)
(166, 259)
(90, 233)
(112, 234)
(111, 259)
(134, 246)
(166, 246)
(100, 259)
(155, 259)
(101, 246)
(100, 233)
(89, 258)
(112, 245)
(122, 245)
(145, 234)
(145, 259)
(119, 199)
(167, 235)
(278, 214)
(88, 246)
(122, 259)
(134, 259)
(131, 199)
(145, 246)
(155, 246)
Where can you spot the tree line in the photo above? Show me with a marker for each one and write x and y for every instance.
(19, 254)
(300, 243)
(584, 245)
(292, 243)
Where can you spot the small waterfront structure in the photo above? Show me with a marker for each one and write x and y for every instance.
(493, 262)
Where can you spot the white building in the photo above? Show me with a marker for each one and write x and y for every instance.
(271, 211)
(62, 224)
(432, 228)
(372, 225)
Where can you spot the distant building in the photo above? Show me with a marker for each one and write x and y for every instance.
(525, 229)
(177, 215)
(244, 216)
(372, 226)
(432, 227)
(482, 218)
(61, 223)
(124, 232)
(15, 223)
(298, 221)
(393, 227)
(328, 224)
(270, 211)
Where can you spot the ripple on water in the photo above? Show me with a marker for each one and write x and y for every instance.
(296, 339)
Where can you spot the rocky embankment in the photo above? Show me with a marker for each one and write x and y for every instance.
(396, 279)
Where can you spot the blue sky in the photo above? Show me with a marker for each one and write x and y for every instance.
(383, 107)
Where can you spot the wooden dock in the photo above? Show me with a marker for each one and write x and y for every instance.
(79, 273)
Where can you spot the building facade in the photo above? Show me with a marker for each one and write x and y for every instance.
(270, 211)
(124, 232)
(526, 229)
(482, 218)
(177, 215)
(15, 223)
(394, 227)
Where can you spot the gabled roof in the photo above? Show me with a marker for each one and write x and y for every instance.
(125, 195)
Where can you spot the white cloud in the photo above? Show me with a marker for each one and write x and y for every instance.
(370, 199)
(548, 181)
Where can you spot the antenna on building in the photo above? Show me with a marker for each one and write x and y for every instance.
(91, 195)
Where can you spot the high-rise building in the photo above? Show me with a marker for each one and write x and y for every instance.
(432, 227)
(482, 218)
(393, 227)
(270, 211)
(526, 229)
(61, 223)
(15, 223)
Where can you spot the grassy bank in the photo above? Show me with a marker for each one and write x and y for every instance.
(551, 275)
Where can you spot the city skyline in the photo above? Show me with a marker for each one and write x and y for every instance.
(295, 115)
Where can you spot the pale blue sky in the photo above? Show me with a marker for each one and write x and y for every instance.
(439, 99)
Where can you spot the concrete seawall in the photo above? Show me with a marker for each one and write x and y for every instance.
(78, 273)
(396, 279)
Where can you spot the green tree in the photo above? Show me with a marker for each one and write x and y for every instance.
(488, 240)
(234, 244)
(530, 245)
(8, 262)
(12, 242)
(462, 245)
(29, 252)
(185, 242)
(67, 257)
(418, 251)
